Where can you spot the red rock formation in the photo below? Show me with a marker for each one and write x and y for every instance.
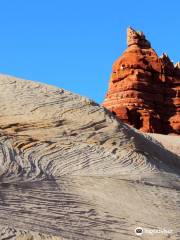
(144, 88)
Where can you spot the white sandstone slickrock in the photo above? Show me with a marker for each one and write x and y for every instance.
(69, 169)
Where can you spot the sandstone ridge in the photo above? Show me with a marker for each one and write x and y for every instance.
(144, 88)
(70, 170)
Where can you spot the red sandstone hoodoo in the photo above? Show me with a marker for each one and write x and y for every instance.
(144, 89)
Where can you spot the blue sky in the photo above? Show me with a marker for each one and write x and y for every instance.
(73, 43)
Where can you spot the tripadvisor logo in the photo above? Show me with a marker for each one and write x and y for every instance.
(139, 231)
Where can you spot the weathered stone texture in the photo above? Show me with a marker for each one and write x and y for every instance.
(144, 88)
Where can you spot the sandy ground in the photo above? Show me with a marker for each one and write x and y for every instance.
(171, 142)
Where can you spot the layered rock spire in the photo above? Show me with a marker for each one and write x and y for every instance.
(137, 38)
(144, 88)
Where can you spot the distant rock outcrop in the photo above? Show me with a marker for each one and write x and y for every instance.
(144, 88)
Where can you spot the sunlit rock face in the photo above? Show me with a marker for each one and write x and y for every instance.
(144, 88)
(71, 170)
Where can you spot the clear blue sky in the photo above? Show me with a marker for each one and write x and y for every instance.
(73, 43)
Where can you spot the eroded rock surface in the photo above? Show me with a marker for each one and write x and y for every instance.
(144, 88)
(69, 169)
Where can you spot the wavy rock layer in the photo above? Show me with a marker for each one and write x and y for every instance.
(144, 88)
(69, 169)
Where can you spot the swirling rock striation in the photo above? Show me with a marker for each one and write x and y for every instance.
(144, 88)
(69, 169)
